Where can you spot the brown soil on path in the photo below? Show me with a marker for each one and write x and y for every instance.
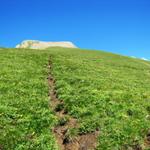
(147, 140)
(1, 148)
(79, 142)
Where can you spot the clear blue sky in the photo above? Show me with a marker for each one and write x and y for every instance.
(120, 26)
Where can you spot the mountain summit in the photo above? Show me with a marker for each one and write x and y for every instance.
(33, 44)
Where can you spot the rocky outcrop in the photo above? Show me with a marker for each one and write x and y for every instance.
(32, 44)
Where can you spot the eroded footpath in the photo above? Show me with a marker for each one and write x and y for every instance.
(67, 123)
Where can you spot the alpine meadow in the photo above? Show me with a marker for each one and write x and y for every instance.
(70, 99)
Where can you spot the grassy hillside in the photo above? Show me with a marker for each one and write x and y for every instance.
(103, 91)
(25, 118)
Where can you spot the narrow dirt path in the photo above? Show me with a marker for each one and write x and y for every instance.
(67, 123)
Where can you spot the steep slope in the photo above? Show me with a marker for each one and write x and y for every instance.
(106, 92)
(101, 91)
(25, 117)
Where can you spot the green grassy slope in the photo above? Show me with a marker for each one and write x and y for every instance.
(25, 118)
(102, 90)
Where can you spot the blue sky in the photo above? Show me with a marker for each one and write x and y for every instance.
(119, 26)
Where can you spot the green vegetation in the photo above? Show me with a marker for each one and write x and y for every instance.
(25, 117)
(102, 90)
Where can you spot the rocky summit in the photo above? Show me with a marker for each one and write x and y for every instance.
(33, 44)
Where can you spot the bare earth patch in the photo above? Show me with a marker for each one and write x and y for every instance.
(80, 141)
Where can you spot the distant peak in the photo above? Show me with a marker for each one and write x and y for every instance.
(35, 44)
